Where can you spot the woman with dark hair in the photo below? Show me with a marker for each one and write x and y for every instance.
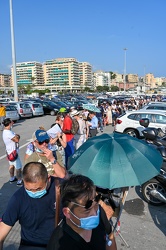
(85, 225)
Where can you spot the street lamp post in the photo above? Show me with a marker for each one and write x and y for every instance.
(13, 52)
(124, 80)
(144, 80)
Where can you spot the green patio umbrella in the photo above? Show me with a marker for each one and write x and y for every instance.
(91, 107)
(116, 160)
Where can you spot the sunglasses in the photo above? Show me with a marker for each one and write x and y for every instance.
(46, 141)
(89, 202)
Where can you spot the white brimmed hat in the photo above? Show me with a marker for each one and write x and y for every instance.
(74, 113)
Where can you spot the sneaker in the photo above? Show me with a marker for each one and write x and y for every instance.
(12, 179)
(19, 183)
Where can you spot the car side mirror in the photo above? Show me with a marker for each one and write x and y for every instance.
(144, 122)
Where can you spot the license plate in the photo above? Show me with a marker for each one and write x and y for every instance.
(11, 114)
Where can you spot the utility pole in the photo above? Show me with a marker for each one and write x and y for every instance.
(13, 52)
(124, 80)
(144, 80)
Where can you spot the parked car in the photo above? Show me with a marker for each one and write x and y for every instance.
(12, 113)
(70, 104)
(128, 123)
(155, 106)
(49, 107)
(61, 104)
(23, 108)
(37, 108)
(79, 104)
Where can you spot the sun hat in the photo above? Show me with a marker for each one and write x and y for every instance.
(72, 108)
(74, 113)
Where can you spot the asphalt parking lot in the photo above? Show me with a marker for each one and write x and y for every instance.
(142, 226)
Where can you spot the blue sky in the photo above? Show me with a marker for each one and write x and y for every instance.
(94, 31)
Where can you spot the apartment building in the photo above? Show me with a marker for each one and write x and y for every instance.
(63, 73)
(85, 73)
(29, 73)
(5, 80)
(101, 78)
(132, 78)
(159, 81)
(118, 78)
(150, 80)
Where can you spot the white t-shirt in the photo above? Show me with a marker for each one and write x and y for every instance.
(7, 138)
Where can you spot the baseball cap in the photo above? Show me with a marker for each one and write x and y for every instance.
(63, 110)
(40, 135)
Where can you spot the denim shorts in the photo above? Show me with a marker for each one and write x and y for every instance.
(17, 163)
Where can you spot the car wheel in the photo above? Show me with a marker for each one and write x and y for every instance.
(132, 132)
(52, 113)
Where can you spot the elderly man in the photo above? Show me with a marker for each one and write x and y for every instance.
(93, 124)
(79, 137)
(85, 225)
(44, 155)
(33, 205)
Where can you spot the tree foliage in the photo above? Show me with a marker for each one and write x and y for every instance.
(112, 75)
(87, 89)
(114, 88)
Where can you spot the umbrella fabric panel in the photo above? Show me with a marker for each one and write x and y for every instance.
(116, 160)
(91, 107)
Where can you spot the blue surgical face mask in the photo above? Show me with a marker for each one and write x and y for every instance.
(87, 223)
(38, 150)
(37, 194)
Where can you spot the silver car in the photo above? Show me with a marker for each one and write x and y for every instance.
(12, 113)
(23, 108)
(37, 108)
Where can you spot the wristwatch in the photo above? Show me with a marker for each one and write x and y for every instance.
(53, 162)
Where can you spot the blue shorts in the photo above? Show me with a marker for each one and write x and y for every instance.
(17, 163)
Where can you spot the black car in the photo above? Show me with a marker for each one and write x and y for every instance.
(49, 107)
(61, 104)
(79, 104)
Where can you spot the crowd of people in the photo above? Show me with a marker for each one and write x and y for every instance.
(60, 141)
(48, 193)
(35, 203)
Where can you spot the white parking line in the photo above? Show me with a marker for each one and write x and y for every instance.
(3, 156)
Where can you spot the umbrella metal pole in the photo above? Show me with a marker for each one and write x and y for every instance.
(120, 235)
(125, 193)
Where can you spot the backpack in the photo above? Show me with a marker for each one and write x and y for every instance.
(75, 126)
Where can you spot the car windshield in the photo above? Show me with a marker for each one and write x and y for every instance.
(52, 104)
(62, 104)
